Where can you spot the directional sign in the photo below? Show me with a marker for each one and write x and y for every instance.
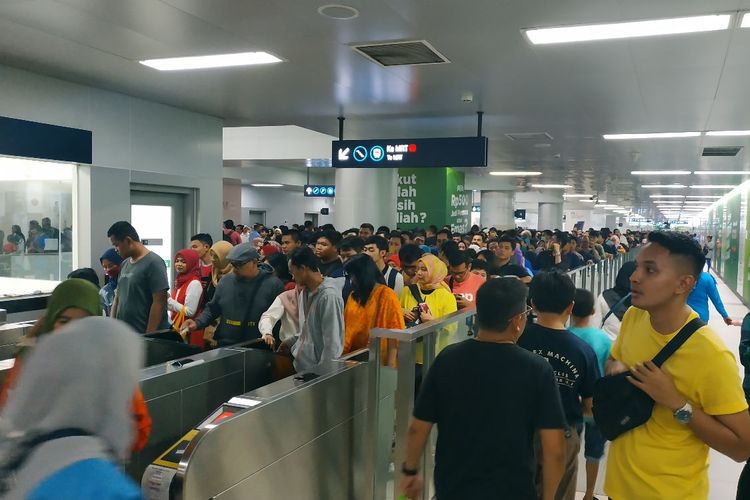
(319, 190)
(394, 153)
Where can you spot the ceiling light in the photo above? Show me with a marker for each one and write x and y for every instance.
(655, 135)
(551, 186)
(664, 186)
(267, 185)
(661, 172)
(728, 133)
(515, 174)
(632, 29)
(216, 61)
(702, 203)
(703, 197)
(577, 196)
(592, 201)
(667, 196)
(745, 21)
(721, 172)
(713, 186)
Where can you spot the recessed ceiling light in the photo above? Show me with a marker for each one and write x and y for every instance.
(215, 61)
(335, 11)
(728, 133)
(661, 172)
(713, 186)
(267, 185)
(551, 186)
(703, 197)
(515, 174)
(632, 29)
(654, 135)
(745, 21)
(577, 196)
(667, 196)
(697, 202)
(664, 186)
(721, 172)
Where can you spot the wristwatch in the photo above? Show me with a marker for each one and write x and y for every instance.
(408, 472)
(685, 414)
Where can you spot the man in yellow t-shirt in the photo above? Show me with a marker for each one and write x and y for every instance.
(698, 392)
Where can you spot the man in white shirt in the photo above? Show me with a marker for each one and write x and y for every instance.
(377, 248)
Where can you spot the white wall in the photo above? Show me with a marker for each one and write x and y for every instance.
(283, 206)
(133, 141)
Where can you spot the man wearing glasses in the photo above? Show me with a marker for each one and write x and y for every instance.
(409, 255)
(240, 299)
(463, 283)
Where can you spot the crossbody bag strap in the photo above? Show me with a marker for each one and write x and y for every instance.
(693, 326)
(613, 308)
(414, 289)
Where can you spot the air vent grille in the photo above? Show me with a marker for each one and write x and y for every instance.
(408, 53)
(536, 137)
(722, 151)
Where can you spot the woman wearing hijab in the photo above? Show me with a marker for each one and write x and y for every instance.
(429, 297)
(65, 430)
(186, 299)
(371, 304)
(111, 262)
(73, 300)
(615, 299)
(220, 268)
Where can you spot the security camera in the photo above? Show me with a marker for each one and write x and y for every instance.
(467, 97)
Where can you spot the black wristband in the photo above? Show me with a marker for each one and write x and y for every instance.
(408, 472)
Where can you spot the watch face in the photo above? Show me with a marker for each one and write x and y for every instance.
(683, 416)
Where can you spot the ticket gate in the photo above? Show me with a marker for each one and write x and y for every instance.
(298, 437)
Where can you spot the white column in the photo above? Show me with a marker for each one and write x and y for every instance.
(550, 215)
(497, 209)
(611, 221)
(365, 195)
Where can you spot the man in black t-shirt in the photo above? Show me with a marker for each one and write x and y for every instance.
(489, 398)
(573, 361)
(503, 263)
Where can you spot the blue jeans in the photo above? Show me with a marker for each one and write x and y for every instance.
(594, 443)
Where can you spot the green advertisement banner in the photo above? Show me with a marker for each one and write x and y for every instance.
(731, 245)
(432, 196)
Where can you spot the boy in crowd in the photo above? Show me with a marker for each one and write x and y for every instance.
(573, 361)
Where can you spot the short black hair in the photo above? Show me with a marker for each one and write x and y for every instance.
(85, 273)
(384, 229)
(305, 257)
(367, 225)
(292, 233)
(333, 236)
(449, 247)
(280, 265)
(498, 300)
(444, 231)
(478, 264)
(489, 256)
(481, 235)
(584, 303)
(563, 238)
(121, 230)
(356, 244)
(681, 245)
(552, 291)
(204, 238)
(432, 228)
(410, 253)
(229, 224)
(396, 234)
(458, 258)
(379, 242)
(594, 233)
(507, 239)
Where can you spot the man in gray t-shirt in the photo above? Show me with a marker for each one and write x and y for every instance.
(141, 296)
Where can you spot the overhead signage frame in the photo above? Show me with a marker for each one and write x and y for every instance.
(401, 153)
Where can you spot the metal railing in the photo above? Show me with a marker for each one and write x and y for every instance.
(391, 392)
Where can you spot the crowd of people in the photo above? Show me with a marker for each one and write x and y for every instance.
(526, 388)
(35, 239)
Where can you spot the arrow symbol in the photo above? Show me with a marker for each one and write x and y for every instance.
(308, 190)
(343, 154)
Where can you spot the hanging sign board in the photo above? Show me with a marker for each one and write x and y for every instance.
(395, 153)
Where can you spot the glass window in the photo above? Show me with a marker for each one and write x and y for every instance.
(36, 225)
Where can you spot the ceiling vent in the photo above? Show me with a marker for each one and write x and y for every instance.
(409, 53)
(722, 151)
(535, 137)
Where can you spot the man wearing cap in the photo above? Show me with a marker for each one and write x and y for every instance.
(240, 299)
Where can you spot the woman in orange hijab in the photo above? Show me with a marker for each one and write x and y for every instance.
(370, 305)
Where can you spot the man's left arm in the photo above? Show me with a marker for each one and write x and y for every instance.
(728, 434)
(158, 310)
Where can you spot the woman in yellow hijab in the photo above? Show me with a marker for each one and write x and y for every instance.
(429, 297)
(221, 267)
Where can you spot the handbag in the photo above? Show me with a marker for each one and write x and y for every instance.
(414, 289)
(619, 406)
(177, 323)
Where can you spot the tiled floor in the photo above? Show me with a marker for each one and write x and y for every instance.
(723, 472)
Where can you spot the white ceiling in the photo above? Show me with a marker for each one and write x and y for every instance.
(574, 92)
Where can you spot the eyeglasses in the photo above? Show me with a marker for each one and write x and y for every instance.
(526, 313)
